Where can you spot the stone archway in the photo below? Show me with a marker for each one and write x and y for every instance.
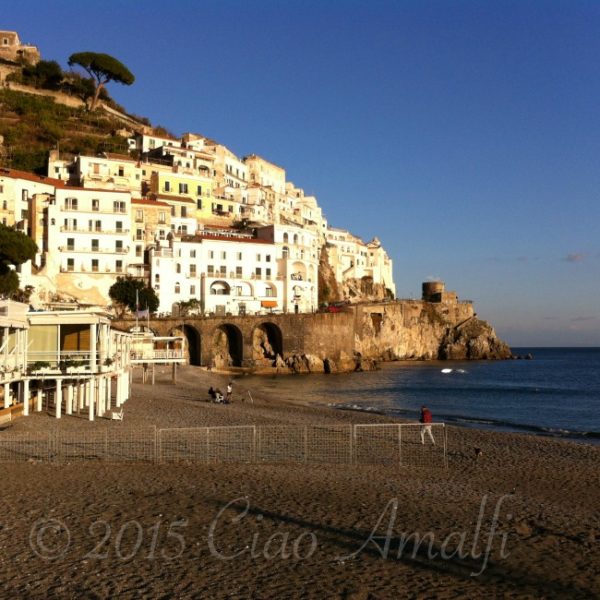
(228, 346)
(194, 343)
(267, 343)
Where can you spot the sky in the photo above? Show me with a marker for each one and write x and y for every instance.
(464, 135)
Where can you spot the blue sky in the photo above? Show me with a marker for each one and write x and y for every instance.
(465, 135)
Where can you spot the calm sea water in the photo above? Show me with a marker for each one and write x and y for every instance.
(557, 393)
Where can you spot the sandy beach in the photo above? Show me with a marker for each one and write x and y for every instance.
(520, 521)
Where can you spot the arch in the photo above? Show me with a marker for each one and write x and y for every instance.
(242, 288)
(298, 271)
(228, 346)
(269, 290)
(286, 237)
(194, 343)
(220, 288)
(267, 342)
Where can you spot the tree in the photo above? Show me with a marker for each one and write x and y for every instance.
(15, 249)
(102, 68)
(123, 292)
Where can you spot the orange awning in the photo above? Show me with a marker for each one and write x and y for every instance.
(268, 303)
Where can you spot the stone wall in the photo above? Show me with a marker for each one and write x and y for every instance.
(349, 340)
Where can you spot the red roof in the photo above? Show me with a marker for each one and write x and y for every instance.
(14, 174)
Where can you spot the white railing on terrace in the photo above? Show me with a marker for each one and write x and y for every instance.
(149, 355)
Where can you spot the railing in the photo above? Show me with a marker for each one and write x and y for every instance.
(394, 445)
(94, 250)
(68, 229)
(152, 355)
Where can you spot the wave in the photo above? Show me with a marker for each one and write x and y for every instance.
(480, 422)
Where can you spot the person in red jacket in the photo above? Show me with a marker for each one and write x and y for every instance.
(425, 421)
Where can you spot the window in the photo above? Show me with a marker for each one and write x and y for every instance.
(119, 226)
(121, 171)
(285, 238)
(268, 258)
(199, 190)
(139, 215)
(119, 266)
(25, 195)
(70, 203)
(70, 243)
(285, 252)
(118, 206)
(192, 270)
(211, 254)
(95, 205)
(173, 214)
(177, 288)
(295, 238)
(199, 204)
(98, 226)
(239, 256)
(162, 217)
(192, 290)
(258, 272)
(139, 234)
(95, 245)
(183, 188)
(258, 257)
(177, 268)
(70, 264)
(119, 246)
(138, 251)
(167, 186)
(184, 212)
(268, 273)
(95, 265)
(223, 255)
(223, 271)
(269, 292)
(210, 269)
(192, 254)
(238, 272)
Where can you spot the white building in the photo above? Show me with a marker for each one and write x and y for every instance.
(223, 270)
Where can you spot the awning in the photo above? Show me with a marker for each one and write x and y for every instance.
(268, 303)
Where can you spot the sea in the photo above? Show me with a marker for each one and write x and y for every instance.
(556, 393)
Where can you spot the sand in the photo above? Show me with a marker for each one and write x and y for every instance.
(97, 530)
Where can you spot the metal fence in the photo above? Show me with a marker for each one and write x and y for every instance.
(365, 444)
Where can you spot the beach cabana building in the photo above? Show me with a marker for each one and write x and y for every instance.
(75, 359)
(14, 327)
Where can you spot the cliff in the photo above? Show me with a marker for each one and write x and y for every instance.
(400, 330)
(417, 330)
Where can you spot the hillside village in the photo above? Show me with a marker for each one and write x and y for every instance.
(203, 227)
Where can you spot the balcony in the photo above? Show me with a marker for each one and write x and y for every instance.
(69, 229)
(88, 250)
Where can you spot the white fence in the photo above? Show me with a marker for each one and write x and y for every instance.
(368, 444)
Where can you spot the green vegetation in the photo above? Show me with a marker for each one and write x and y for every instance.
(127, 290)
(32, 125)
(15, 249)
(46, 74)
(103, 68)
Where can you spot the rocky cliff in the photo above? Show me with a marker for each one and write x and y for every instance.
(408, 330)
